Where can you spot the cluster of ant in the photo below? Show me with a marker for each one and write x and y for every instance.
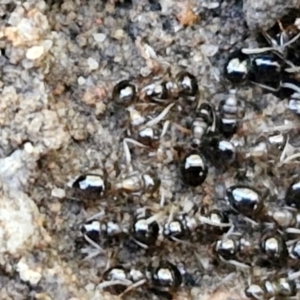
(273, 68)
(274, 287)
(161, 278)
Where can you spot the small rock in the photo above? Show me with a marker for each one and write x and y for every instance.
(19, 231)
(58, 193)
(35, 52)
(47, 44)
(145, 71)
(117, 59)
(26, 274)
(209, 50)
(211, 5)
(81, 40)
(81, 80)
(92, 63)
(28, 147)
(42, 296)
(100, 108)
(99, 37)
(89, 97)
(177, 28)
(119, 34)
(59, 89)
(55, 207)
(154, 5)
(19, 216)
(214, 28)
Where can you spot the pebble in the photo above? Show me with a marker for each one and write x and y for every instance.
(92, 63)
(47, 44)
(42, 296)
(19, 215)
(89, 97)
(55, 207)
(214, 28)
(197, 57)
(81, 80)
(100, 108)
(118, 34)
(19, 231)
(26, 274)
(28, 147)
(209, 50)
(117, 59)
(35, 52)
(145, 71)
(99, 37)
(58, 193)
(211, 5)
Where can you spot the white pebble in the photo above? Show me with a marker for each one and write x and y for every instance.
(145, 71)
(117, 59)
(211, 5)
(28, 147)
(47, 44)
(209, 50)
(58, 193)
(99, 37)
(35, 52)
(26, 274)
(92, 63)
(118, 34)
(198, 57)
(81, 80)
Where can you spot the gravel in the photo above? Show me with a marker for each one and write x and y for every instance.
(59, 62)
(261, 14)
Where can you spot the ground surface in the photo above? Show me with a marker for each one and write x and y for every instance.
(59, 62)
